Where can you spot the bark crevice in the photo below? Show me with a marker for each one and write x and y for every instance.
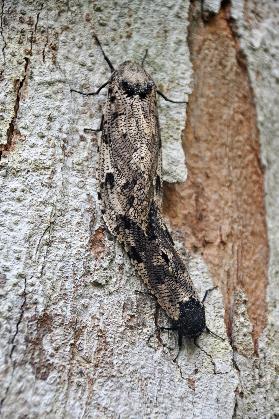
(2, 35)
(13, 343)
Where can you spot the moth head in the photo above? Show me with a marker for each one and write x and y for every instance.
(191, 321)
(134, 80)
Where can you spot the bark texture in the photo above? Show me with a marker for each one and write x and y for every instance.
(79, 333)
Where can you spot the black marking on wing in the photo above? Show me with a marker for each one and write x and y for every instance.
(165, 257)
(158, 183)
(134, 254)
(129, 184)
(109, 180)
(125, 222)
(157, 273)
(106, 138)
(132, 89)
(114, 115)
(151, 232)
(131, 199)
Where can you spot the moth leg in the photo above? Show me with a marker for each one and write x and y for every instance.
(157, 333)
(101, 124)
(180, 340)
(158, 328)
(97, 129)
(92, 93)
(144, 293)
(166, 328)
(214, 334)
(144, 57)
(206, 353)
(180, 344)
(207, 328)
(207, 292)
(169, 100)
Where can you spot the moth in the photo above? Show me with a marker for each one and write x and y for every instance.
(130, 190)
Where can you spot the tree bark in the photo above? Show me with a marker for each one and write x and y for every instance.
(79, 333)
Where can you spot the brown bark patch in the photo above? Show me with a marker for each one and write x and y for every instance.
(98, 245)
(39, 360)
(13, 134)
(221, 208)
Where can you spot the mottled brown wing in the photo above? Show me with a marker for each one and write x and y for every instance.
(129, 155)
(154, 255)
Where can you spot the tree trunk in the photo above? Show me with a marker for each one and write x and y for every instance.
(80, 336)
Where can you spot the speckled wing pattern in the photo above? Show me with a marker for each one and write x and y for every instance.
(130, 185)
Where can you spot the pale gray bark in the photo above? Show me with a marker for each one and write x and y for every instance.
(78, 332)
(257, 23)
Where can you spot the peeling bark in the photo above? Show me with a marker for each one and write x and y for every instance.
(221, 207)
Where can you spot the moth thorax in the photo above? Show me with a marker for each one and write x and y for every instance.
(191, 320)
(134, 80)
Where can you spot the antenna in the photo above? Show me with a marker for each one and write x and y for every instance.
(103, 52)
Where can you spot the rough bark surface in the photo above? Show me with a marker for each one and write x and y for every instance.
(79, 334)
